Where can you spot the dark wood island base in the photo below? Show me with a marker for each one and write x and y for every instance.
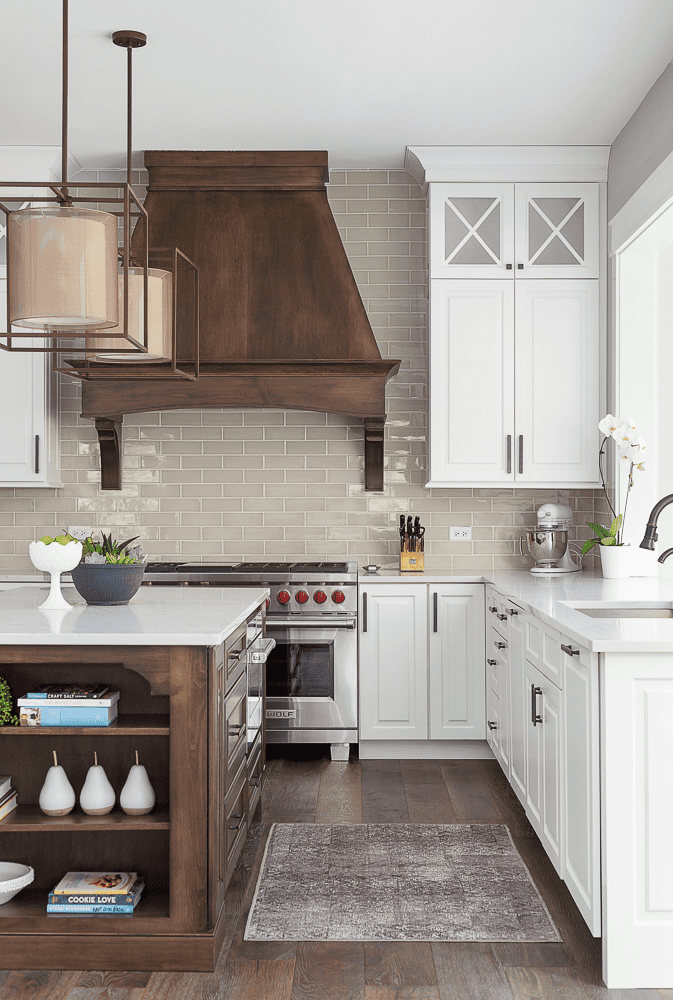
(184, 709)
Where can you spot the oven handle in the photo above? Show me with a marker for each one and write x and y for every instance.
(299, 622)
(260, 654)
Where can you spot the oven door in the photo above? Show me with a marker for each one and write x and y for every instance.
(311, 675)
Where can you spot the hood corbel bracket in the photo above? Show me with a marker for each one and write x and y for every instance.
(109, 430)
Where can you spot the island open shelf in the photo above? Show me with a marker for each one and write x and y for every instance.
(31, 819)
(124, 725)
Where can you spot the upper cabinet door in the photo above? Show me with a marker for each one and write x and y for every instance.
(557, 394)
(472, 382)
(471, 230)
(557, 231)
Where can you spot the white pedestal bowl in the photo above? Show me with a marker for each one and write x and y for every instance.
(55, 559)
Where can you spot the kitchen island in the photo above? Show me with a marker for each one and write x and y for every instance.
(178, 656)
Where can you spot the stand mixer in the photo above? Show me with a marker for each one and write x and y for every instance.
(548, 543)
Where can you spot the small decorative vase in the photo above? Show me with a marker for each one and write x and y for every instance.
(137, 796)
(57, 796)
(55, 559)
(615, 561)
(97, 797)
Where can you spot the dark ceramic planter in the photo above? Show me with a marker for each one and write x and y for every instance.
(107, 583)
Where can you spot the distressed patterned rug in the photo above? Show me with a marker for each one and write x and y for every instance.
(395, 882)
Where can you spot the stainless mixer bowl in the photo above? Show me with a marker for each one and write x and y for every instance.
(547, 545)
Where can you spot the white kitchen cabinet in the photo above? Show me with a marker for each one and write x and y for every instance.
(556, 378)
(518, 698)
(544, 761)
(514, 389)
(581, 854)
(456, 648)
(29, 420)
(393, 662)
(514, 231)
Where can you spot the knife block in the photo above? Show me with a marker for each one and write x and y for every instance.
(412, 562)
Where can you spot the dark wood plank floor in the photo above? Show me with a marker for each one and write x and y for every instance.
(304, 786)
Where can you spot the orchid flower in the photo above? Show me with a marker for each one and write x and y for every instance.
(631, 450)
(609, 424)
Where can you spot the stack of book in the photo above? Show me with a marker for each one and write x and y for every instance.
(96, 893)
(69, 705)
(7, 796)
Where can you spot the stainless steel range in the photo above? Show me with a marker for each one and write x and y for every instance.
(311, 675)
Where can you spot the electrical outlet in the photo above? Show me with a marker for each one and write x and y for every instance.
(79, 534)
(460, 534)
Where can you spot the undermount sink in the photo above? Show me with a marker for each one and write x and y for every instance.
(661, 612)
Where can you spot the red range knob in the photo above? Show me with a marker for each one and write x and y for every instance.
(268, 603)
(282, 597)
(320, 597)
(301, 597)
(338, 596)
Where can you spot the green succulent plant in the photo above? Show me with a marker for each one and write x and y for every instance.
(7, 717)
(112, 550)
(603, 536)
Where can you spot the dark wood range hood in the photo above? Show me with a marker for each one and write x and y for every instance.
(282, 323)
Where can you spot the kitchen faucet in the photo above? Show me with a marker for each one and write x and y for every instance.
(651, 529)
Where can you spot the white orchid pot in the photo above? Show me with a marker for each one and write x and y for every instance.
(615, 561)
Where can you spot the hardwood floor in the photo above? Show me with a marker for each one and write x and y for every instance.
(304, 786)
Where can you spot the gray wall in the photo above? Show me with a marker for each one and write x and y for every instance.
(644, 142)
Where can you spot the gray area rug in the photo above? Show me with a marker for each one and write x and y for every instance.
(395, 882)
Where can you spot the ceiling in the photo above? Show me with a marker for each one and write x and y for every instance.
(360, 78)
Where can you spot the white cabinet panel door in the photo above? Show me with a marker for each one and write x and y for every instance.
(519, 714)
(472, 381)
(551, 769)
(557, 384)
(581, 792)
(471, 230)
(557, 230)
(457, 676)
(393, 662)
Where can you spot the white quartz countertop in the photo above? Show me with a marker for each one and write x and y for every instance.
(162, 616)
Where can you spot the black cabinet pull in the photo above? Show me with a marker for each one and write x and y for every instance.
(37, 454)
(520, 454)
(254, 782)
(238, 816)
(364, 612)
(492, 663)
(569, 650)
(492, 725)
(508, 267)
(503, 618)
(509, 453)
(434, 612)
(500, 645)
(493, 610)
(512, 611)
(534, 692)
(520, 267)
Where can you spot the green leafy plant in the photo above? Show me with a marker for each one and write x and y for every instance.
(603, 536)
(7, 717)
(110, 549)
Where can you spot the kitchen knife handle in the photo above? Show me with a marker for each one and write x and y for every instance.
(509, 453)
(520, 454)
(434, 612)
(364, 612)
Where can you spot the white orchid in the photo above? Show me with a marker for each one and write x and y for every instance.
(631, 450)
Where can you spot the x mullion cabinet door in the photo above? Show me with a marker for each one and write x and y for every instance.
(557, 230)
(393, 662)
(471, 230)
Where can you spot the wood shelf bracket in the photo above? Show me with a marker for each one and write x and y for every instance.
(374, 453)
(109, 430)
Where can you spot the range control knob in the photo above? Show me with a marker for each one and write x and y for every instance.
(268, 603)
(301, 597)
(282, 597)
(320, 597)
(338, 596)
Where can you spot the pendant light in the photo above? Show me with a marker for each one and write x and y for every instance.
(62, 257)
(152, 299)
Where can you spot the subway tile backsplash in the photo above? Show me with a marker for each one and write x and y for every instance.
(254, 484)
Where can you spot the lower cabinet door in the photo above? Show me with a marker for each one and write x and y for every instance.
(457, 682)
(519, 715)
(533, 747)
(393, 662)
(544, 763)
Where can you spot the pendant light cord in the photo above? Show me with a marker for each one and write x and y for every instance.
(129, 89)
(64, 106)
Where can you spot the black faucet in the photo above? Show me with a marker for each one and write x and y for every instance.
(651, 529)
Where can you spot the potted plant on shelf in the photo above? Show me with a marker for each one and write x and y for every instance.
(631, 453)
(110, 572)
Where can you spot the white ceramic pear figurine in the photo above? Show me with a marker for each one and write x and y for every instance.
(57, 796)
(97, 797)
(137, 796)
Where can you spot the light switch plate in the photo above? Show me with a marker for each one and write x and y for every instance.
(460, 534)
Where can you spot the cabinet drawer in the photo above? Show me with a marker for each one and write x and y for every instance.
(235, 732)
(543, 649)
(254, 769)
(496, 612)
(235, 825)
(497, 651)
(234, 655)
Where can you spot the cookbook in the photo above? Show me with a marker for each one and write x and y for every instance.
(87, 883)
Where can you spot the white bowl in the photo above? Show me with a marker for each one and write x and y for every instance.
(55, 558)
(13, 878)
